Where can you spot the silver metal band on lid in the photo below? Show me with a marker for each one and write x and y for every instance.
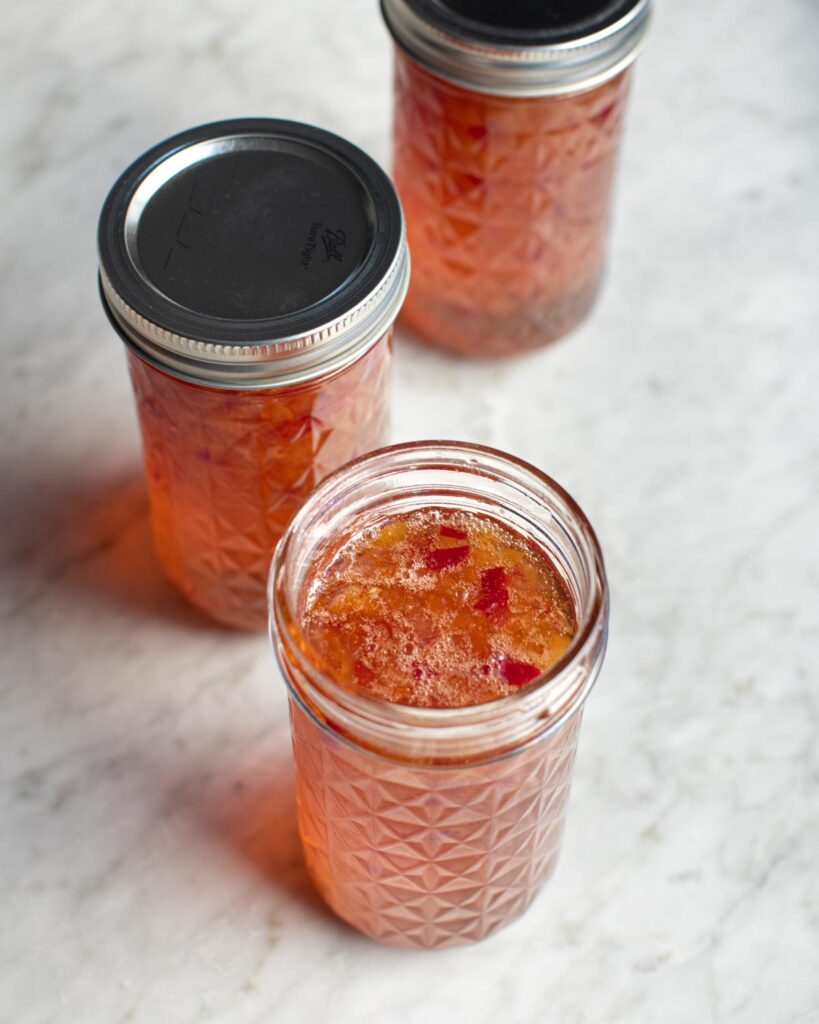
(280, 363)
(519, 70)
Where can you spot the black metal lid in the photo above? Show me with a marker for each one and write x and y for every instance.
(522, 22)
(520, 47)
(251, 252)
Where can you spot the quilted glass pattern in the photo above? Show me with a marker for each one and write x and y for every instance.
(507, 207)
(227, 470)
(416, 855)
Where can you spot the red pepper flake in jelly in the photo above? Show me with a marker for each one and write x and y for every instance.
(443, 558)
(398, 612)
(518, 673)
(494, 595)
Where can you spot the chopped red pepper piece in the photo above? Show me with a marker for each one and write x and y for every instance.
(518, 673)
(453, 531)
(494, 596)
(364, 674)
(443, 558)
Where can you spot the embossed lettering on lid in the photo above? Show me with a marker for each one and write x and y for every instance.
(251, 233)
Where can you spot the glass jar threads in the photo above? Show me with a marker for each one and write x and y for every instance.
(432, 825)
(254, 269)
(507, 127)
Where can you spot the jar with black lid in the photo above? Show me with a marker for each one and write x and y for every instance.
(508, 118)
(254, 269)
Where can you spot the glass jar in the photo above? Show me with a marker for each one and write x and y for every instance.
(426, 826)
(254, 269)
(506, 133)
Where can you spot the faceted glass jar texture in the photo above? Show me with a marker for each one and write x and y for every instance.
(429, 856)
(434, 826)
(507, 206)
(227, 469)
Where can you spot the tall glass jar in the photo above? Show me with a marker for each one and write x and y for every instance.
(507, 127)
(254, 270)
(425, 826)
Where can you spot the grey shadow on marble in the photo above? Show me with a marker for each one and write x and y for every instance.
(86, 539)
(251, 813)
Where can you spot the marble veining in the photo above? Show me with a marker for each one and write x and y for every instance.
(149, 862)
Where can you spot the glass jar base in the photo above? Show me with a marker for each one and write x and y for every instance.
(240, 606)
(237, 616)
(435, 934)
(456, 328)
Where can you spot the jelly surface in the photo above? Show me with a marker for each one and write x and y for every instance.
(227, 470)
(507, 203)
(437, 608)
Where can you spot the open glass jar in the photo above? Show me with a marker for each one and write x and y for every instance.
(507, 127)
(435, 826)
(254, 269)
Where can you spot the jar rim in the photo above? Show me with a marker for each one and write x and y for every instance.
(511, 65)
(529, 712)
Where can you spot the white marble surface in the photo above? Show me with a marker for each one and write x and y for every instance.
(149, 863)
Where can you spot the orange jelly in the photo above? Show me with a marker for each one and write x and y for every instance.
(507, 205)
(438, 608)
(227, 470)
(507, 125)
